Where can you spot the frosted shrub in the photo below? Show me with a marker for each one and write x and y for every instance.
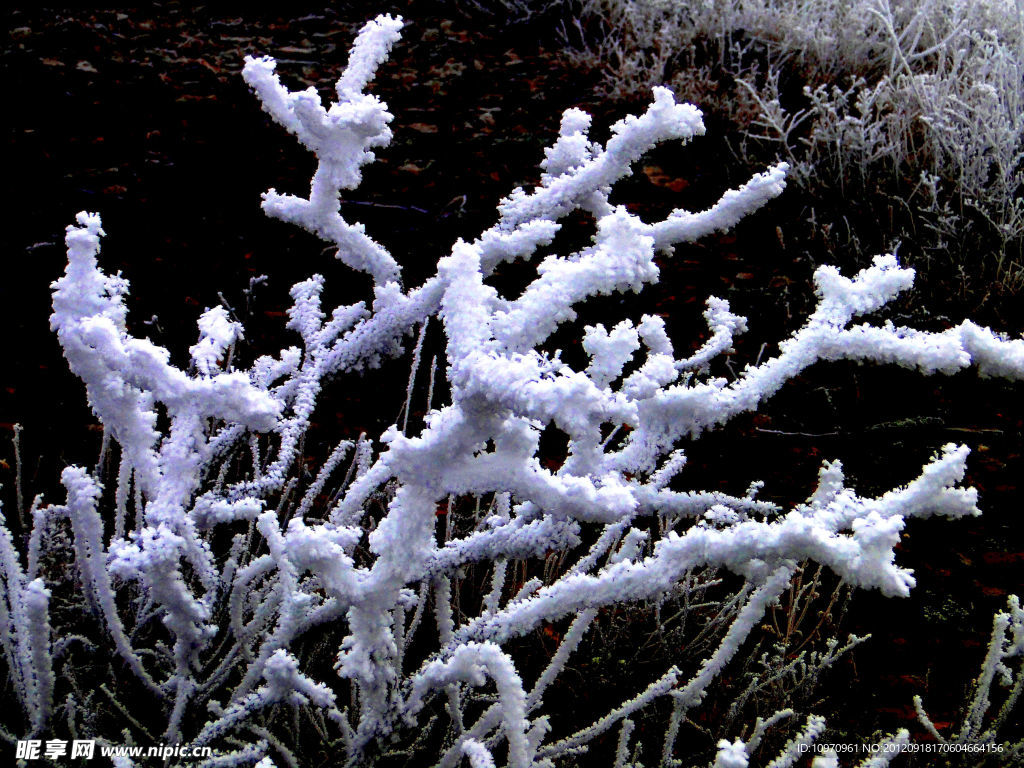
(222, 585)
(1003, 667)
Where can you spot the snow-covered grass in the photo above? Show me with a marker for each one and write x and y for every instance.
(377, 609)
(916, 105)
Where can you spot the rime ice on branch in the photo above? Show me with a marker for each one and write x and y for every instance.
(238, 585)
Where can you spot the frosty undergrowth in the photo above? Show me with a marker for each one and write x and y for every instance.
(915, 104)
(252, 576)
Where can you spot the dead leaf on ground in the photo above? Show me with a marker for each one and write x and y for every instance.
(659, 178)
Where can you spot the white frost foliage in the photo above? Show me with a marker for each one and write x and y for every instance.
(126, 377)
(893, 90)
(239, 558)
(286, 683)
(217, 332)
(1003, 667)
(797, 747)
(731, 755)
(341, 136)
(478, 754)
(470, 663)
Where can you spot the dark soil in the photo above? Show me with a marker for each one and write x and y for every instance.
(142, 115)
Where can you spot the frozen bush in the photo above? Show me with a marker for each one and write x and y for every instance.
(259, 579)
(1003, 666)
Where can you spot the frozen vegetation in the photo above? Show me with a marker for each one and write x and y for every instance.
(227, 586)
(915, 104)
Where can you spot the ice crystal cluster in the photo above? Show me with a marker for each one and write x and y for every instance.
(224, 590)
